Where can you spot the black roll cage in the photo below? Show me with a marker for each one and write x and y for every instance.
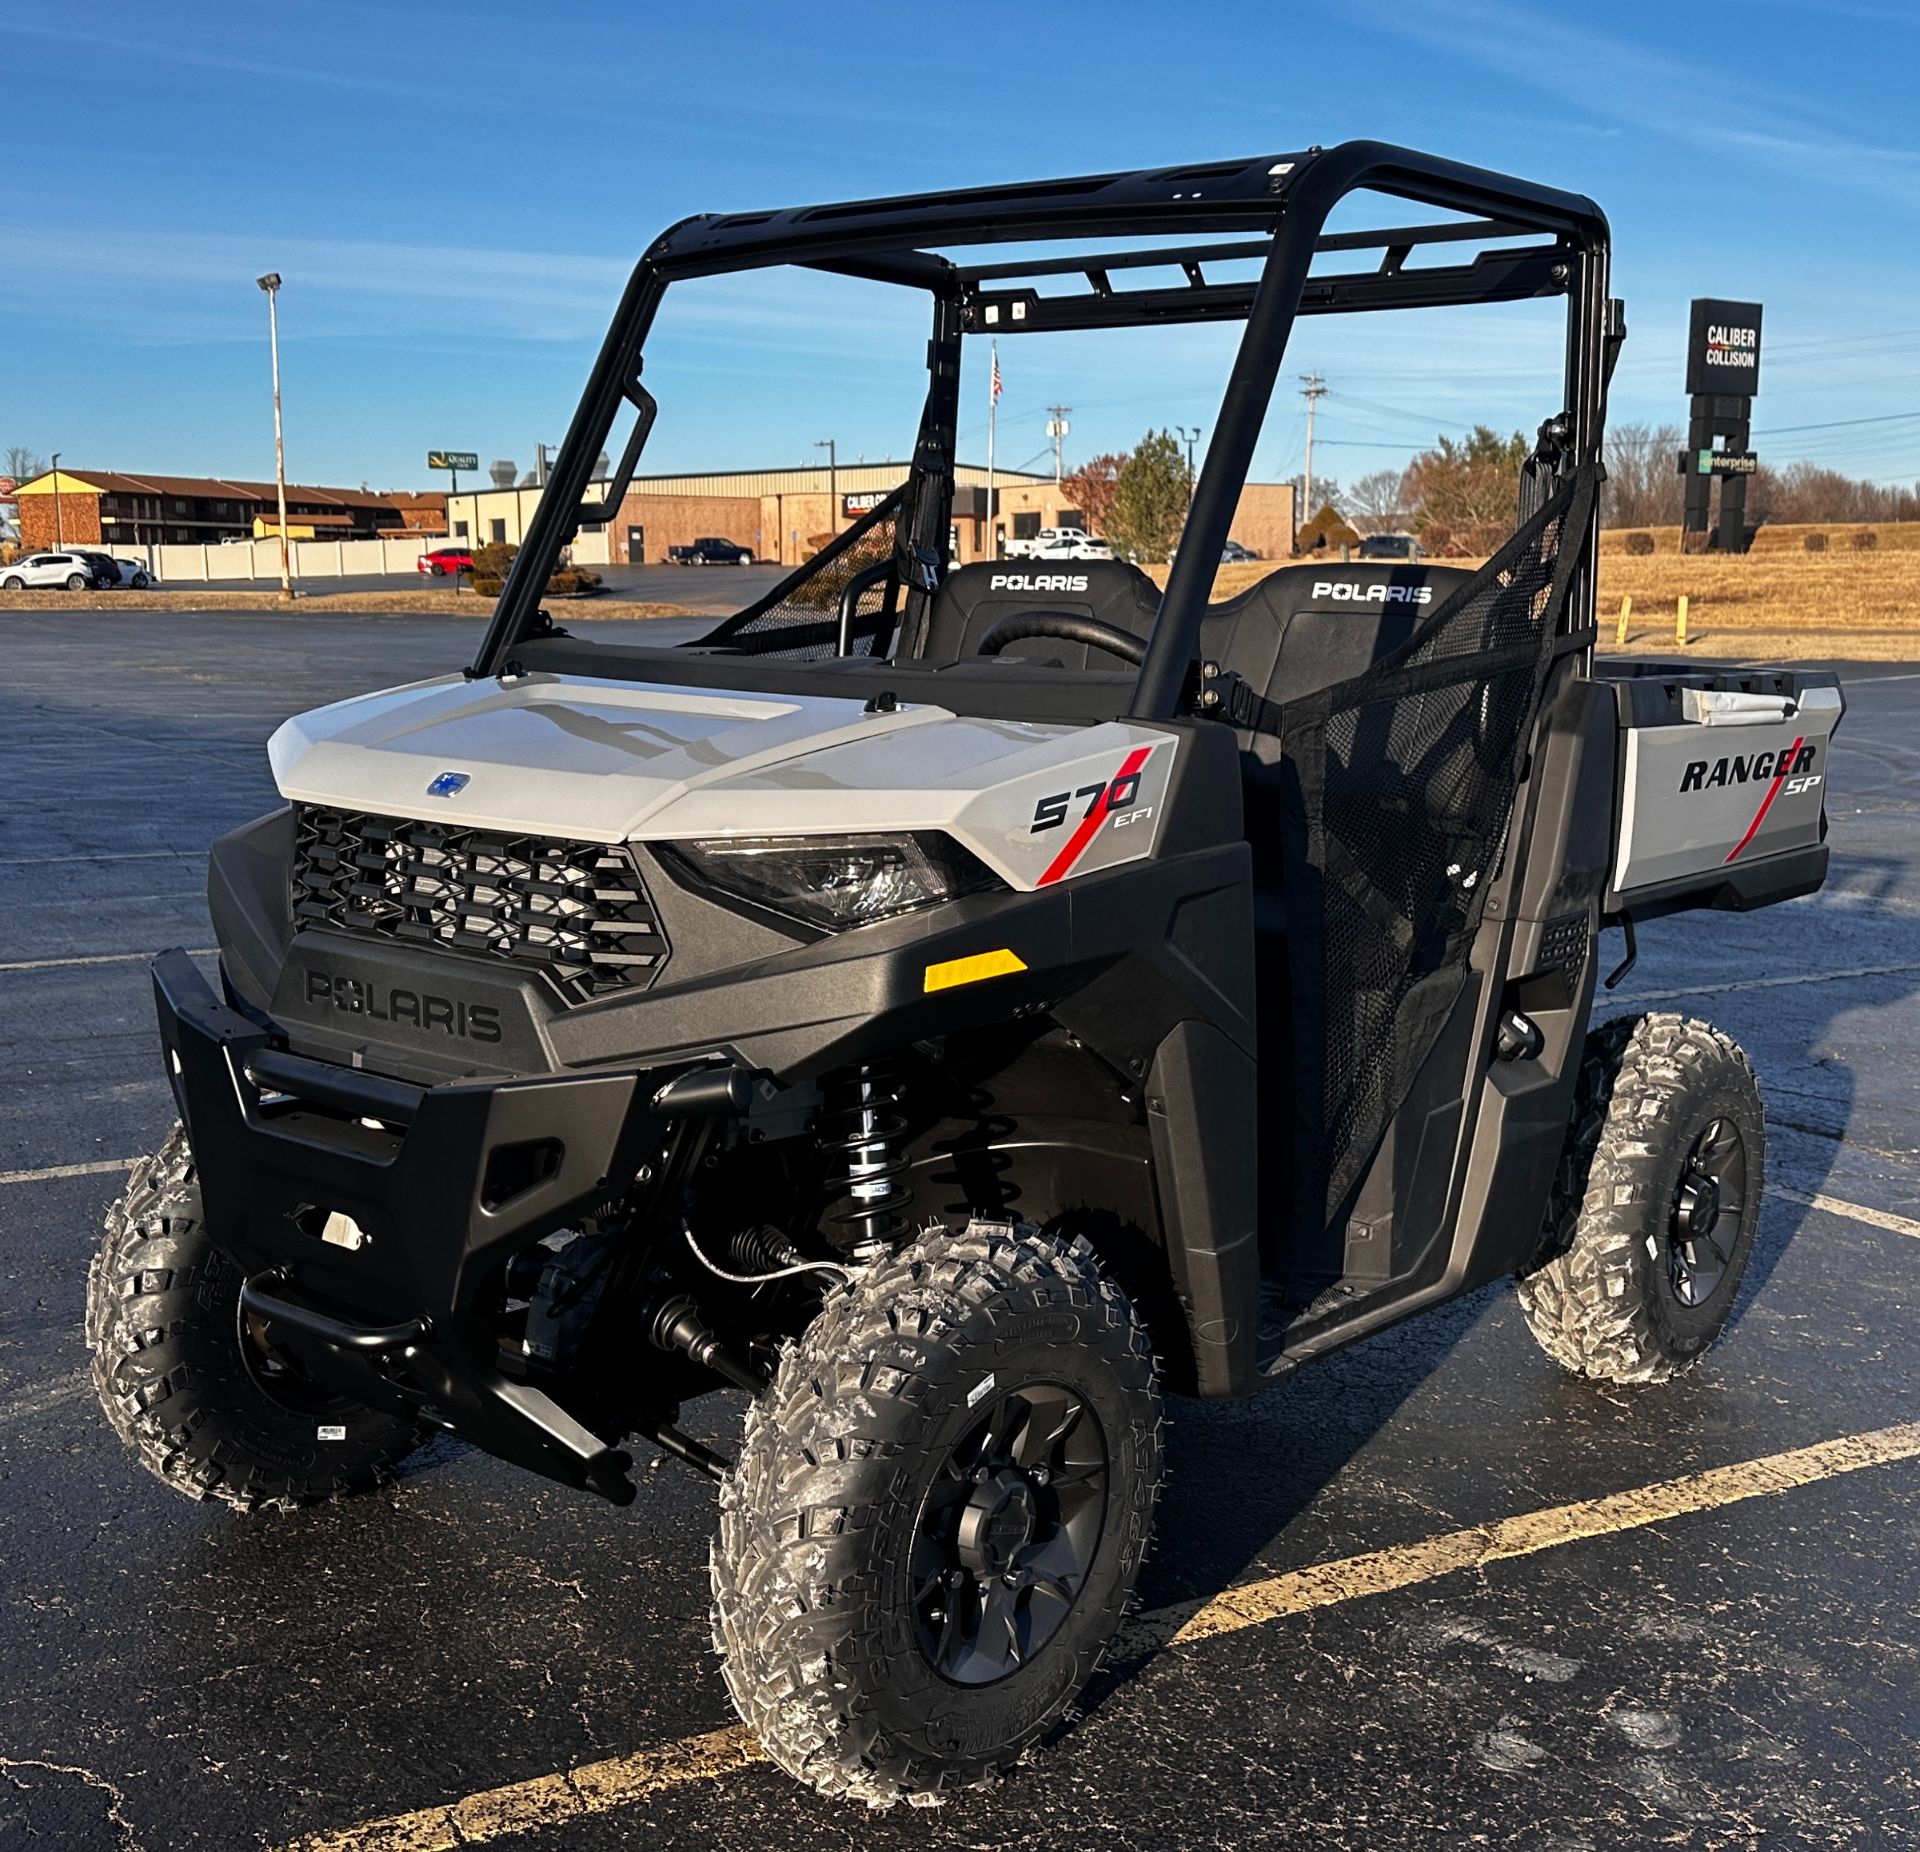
(1284, 200)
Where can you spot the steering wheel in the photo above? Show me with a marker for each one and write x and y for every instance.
(1064, 627)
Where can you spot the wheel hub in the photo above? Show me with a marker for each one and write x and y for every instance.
(997, 1523)
(1699, 1205)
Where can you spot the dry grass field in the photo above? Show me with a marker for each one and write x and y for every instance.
(1888, 537)
(1779, 603)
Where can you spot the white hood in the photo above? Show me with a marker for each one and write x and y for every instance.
(615, 761)
(596, 759)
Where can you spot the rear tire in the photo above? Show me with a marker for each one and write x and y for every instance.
(193, 1406)
(868, 1665)
(77, 581)
(1653, 1213)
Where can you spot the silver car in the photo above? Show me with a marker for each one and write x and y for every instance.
(75, 571)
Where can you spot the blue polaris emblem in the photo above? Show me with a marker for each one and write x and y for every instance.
(449, 784)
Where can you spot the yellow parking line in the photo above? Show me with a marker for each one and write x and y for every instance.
(550, 1800)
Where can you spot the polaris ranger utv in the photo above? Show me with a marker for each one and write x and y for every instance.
(951, 1005)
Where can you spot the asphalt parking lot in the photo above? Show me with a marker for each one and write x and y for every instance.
(1428, 1592)
(714, 588)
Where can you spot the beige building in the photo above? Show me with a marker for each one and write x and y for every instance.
(786, 515)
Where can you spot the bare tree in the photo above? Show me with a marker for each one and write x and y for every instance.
(23, 464)
(1326, 494)
(1644, 487)
(1377, 501)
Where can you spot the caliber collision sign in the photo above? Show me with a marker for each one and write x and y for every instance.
(1723, 348)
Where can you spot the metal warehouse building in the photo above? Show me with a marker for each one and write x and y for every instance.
(786, 514)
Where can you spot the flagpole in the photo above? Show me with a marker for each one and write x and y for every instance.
(993, 412)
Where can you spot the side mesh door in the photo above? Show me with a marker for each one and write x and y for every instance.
(1401, 796)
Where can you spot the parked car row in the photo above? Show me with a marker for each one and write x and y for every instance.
(1232, 554)
(75, 570)
(1058, 543)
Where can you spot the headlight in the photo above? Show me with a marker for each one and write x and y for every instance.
(838, 881)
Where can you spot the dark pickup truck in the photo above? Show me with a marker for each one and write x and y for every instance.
(709, 551)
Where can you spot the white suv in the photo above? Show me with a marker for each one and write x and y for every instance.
(1034, 546)
(73, 570)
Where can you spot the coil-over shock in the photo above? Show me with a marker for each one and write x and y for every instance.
(861, 1132)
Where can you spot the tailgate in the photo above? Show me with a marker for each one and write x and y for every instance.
(1722, 791)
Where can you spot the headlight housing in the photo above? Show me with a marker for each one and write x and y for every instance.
(839, 881)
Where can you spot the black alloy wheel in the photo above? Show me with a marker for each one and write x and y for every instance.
(1708, 1206)
(1008, 1533)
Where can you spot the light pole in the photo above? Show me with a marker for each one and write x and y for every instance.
(59, 538)
(1189, 438)
(271, 284)
(833, 482)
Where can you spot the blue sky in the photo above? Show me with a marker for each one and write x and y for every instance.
(454, 196)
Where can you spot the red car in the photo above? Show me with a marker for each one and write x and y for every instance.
(443, 560)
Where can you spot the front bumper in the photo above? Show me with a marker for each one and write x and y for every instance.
(442, 1185)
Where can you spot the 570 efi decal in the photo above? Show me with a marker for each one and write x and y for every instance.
(1110, 798)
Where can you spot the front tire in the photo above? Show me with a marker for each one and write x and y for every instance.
(1654, 1211)
(14, 584)
(941, 1508)
(198, 1403)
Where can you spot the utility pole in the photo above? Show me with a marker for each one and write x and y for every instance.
(59, 536)
(1057, 428)
(1313, 392)
(271, 284)
(828, 444)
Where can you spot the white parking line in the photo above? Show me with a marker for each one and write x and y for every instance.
(1854, 1212)
(97, 958)
(52, 1172)
(1754, 983)
(104, 855)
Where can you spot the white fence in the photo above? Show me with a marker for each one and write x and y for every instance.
(312, 559)
(260, 559)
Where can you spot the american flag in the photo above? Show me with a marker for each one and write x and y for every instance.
(995, 392)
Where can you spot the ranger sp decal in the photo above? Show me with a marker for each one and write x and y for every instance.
(1788, 761)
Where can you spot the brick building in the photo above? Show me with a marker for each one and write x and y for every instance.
(90, 507)
(786, 514)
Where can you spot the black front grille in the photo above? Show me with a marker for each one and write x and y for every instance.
(578, 912)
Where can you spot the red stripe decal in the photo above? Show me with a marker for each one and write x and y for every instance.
(1766, 803)
(1062, 864)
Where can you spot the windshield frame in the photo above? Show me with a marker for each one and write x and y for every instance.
(1285, 200)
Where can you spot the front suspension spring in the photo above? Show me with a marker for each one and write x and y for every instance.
(860, 1135)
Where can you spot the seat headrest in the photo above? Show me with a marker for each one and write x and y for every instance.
(973, 598)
